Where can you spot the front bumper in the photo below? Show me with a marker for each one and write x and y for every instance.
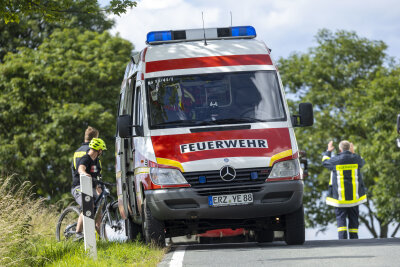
(273, 199)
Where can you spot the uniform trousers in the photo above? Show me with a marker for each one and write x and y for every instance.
(350, 213)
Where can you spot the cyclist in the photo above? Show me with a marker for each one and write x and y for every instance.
(90, 133)
(88, 165)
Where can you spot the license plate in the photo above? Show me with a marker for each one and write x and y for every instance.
(230, 200)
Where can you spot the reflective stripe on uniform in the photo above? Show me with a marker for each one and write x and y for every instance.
(78, 154)
(325, 158)
(340, 185)
(353, 230)
(346, 203)
(343, 228)
(354, 174)
(340, 180)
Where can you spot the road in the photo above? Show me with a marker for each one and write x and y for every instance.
(362, 252)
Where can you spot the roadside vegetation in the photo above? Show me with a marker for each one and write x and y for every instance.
(27, 236)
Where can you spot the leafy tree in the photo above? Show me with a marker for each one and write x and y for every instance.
(32, 28)
(49, 95)
(353, 86)
(53, 10)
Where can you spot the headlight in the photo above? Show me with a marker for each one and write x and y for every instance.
(288, 168)
(163, 176)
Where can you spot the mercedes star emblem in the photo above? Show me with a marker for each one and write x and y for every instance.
(227, 173)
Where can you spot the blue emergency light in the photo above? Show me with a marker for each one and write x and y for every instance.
(243, 31)
(202, 179)
(159, 37)
(254, 175)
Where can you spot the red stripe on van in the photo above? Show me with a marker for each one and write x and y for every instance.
(168, 146)
(204, 62)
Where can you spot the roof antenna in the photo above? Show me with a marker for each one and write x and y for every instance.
(204, 30)
(231, 18)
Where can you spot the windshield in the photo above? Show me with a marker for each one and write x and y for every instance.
(212, 99)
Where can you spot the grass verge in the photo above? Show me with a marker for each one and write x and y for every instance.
(27, 236)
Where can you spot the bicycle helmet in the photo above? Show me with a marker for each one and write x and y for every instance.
(97, 144)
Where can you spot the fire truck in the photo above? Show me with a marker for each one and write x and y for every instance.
(205, 139)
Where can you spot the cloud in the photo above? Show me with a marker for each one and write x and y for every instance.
(284, 25)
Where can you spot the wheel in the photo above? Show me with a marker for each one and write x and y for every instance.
(66, 225)
(153, 229)
(133, 230)
(295, 229)
(112, 227)
(265, 236)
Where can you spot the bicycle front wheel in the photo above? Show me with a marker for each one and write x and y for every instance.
(112, 227)
(66, 225)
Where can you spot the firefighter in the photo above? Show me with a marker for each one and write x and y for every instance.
(346, 187)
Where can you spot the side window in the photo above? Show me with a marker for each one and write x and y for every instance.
(138, 110)
(121, 103)
(126, 99)
(139, 107)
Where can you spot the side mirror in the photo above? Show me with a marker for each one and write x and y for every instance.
(125, 127)
(306, 116)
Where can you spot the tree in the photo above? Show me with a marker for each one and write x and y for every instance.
(49, 95)
(32, 29)
(346, 78)
(56, 10)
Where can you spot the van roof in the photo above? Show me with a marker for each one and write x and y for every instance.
(217, 53)
(199, 49)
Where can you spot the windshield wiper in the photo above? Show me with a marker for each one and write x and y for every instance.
(238, 120)
(185, 123)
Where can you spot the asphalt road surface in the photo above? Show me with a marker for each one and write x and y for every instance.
(343, 253)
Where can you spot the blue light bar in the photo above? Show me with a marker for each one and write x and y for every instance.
(243, 31)
(237, 32)
(159, 36)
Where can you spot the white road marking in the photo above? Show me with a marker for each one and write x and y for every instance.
(177, 257)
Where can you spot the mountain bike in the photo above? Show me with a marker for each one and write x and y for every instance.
(112, 226)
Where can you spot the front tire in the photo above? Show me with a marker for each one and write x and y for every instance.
(66, 225)
(112, 227)
(295, 229)
(133, 230)
(153, 229)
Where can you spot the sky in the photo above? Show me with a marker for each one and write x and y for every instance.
(286, 26)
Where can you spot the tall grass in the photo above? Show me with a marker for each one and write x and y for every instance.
(23, 220)
(27, 236)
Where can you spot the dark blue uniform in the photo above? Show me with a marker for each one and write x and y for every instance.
(346, 189)
(79, 153)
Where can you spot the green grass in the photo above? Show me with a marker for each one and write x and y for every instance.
(108, 254)
(27, 236)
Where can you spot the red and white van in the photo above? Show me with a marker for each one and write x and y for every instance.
(205, 139)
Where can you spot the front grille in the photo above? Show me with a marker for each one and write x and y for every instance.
(214, 180)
